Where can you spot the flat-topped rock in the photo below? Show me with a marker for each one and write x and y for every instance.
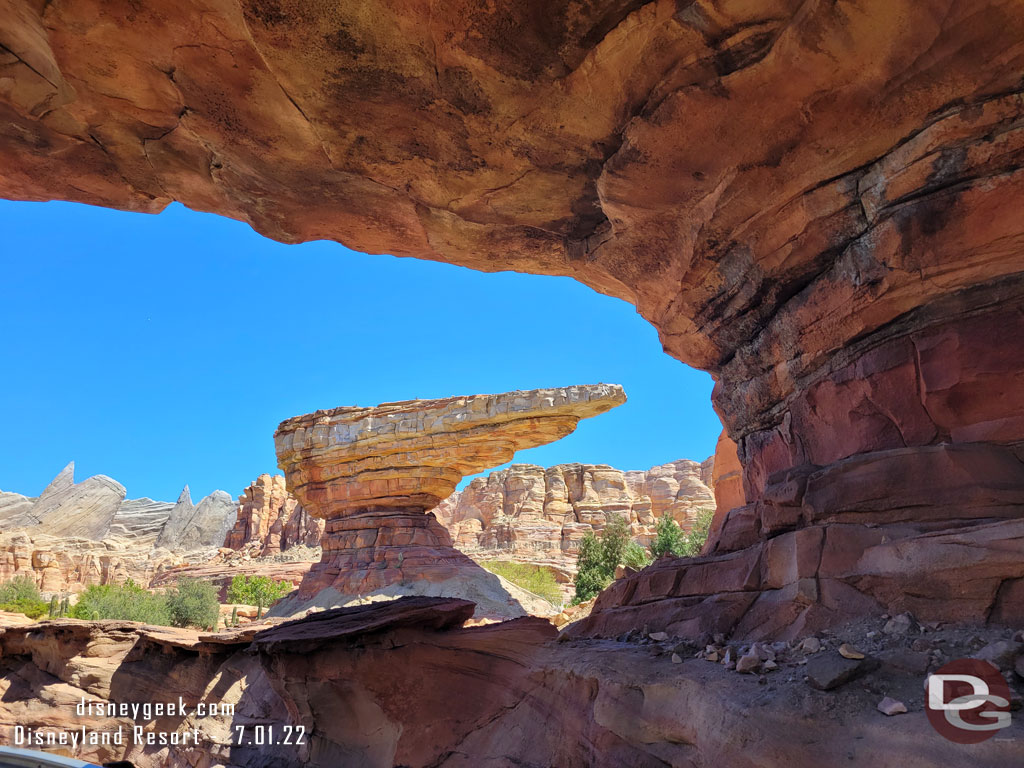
(372, 473)
(414, 452)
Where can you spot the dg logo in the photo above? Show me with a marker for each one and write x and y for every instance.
(967, 701)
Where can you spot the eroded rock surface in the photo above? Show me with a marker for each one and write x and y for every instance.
(77, 534)
(373, 474)
(270, 520)
(538, 515)
(819, 203)
(404, 683)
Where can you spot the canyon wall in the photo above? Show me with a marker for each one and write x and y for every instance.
(819, 203)
(538, 515)
(269, 520)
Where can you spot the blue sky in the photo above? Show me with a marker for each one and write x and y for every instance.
(164, 350)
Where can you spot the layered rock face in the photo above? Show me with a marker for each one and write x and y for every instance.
(404, 683)
(77, 534)
(818, 203)
(373, 474)
(538, 515)
(271, 520)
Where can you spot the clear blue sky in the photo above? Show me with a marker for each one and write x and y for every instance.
(164, 350)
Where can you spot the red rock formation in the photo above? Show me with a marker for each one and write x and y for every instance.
(538, 515)
(403, 683)
(819, 203)
(273, 518)
(374, 474)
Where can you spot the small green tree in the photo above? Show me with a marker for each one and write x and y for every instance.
(598, 557)
(694, 541)
(193, 603)
(589, 569)
(260, 591)
(54, 607)
(614, 540)
(668, 538)
(635, 557)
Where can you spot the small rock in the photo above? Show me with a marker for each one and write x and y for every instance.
(769, 665)
(780, 647)
(921, 644)
(847, 651)
(711, 655)
(871, 635)
(890, 707)
(718, 639)
(1018, 636)
(810, 645)
(914, 662)
(748, 663)
(763, 652)
(1018, 666)
(827, 671)
(762, 680)
(904, 624)
(730, 656)
(730, 665)
(677, 659)
(1002, 653)
(658, 637)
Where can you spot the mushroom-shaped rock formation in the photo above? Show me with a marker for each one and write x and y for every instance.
(374, 474)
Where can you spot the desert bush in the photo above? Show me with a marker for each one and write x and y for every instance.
(21, 595)
(598, 558)
(128, 601)
(669, 538)
(698, 535)
(635, 556)
(193, 603)
(533, 578)
(260, 591)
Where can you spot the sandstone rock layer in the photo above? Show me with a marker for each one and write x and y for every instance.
(405, 683)
(819, 203)
(373, 474)
(538, 515)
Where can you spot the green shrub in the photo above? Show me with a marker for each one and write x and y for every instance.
(21, 595)
(635, 557)
(19, 589)
(598, 558)
(669, 538)
(127, 601)
(533, 578)
(694, 541)
(260, 591)
(193, 603)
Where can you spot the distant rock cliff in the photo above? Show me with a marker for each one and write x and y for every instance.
(538, 515)
(271, 520)
(76, 534)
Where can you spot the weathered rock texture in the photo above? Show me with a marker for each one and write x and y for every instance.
(373, 474)
(403, 683)
(538, 515)
(817, 202)
(271, 520)
(77, 534)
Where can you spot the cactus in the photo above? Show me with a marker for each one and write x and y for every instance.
(234, 616)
